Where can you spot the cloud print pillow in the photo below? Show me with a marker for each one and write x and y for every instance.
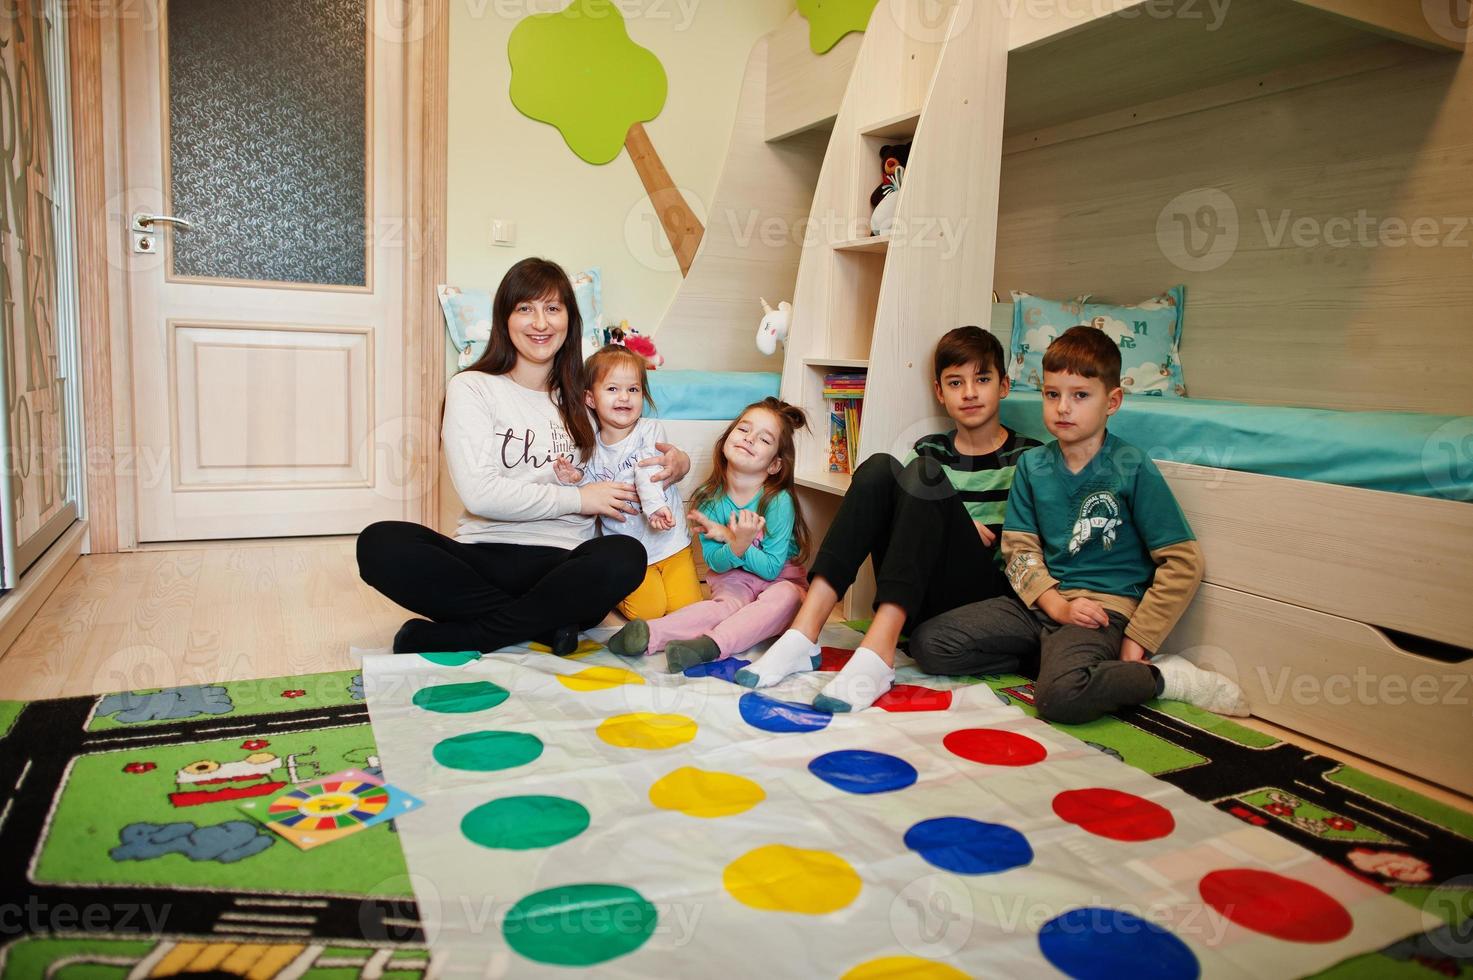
(1147, 333)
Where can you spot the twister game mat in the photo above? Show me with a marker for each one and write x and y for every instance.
(117, 860)
(595, 813)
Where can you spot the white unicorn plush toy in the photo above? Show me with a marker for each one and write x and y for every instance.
(774, 326)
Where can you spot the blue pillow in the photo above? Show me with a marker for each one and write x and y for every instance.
(1147, 333)
(468, 314)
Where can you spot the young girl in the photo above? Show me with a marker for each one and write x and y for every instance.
(752, 537)
(617, 388)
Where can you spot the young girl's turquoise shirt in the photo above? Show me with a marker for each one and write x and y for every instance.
(766, 556)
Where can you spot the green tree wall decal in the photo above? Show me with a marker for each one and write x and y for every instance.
(578, 70)
(830, 20)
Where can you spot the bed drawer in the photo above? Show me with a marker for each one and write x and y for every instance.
(1398, 561)
(1338, 680)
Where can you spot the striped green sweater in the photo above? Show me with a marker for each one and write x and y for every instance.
(982, 482)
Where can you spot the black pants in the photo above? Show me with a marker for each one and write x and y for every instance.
(928, 557)
(487, 596)
(1079, 670)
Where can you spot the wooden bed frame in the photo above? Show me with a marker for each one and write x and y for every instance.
(1344, 613)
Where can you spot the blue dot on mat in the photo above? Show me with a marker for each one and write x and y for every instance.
(772, 715)
(860, 771)
(969, 847)
(720, 669)
(1095, 942)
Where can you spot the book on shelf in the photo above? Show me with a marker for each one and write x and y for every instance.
(846, 385)
(844, 420)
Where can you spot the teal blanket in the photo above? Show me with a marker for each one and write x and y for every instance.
(709, 394)
(1425, 455)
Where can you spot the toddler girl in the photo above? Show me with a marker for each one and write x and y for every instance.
(617, 388)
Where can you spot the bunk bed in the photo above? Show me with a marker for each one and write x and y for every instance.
(1340, 608)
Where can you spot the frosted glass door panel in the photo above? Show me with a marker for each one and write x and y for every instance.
(267, 136)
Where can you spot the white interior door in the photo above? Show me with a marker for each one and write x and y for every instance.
(267, 321)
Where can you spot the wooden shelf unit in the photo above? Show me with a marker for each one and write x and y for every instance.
(881, 302)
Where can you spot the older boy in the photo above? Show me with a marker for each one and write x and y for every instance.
(931, 525)
(1101, 558)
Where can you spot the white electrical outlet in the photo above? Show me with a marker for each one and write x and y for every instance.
(503, 232)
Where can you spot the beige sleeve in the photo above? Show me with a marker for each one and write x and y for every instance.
(1178, 573)
(1025, 569)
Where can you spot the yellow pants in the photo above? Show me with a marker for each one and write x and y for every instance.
(668, 585)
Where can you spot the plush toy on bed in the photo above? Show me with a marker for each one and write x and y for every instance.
(893, 160)
(626, 336)
(774, 326)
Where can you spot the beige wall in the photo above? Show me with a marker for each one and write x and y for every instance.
(504, 165)
(1351, 280)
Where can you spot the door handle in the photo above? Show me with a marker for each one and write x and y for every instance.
(143, 221)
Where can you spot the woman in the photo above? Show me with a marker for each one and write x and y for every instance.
(524, 563)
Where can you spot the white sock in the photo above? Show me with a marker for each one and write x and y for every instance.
(858, 685)
(789, 654)
(1185, 681)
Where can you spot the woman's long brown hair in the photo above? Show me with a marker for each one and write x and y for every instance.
(790, 418)
(534, 279)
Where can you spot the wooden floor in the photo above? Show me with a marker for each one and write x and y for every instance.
(187, 616)
(237, 610)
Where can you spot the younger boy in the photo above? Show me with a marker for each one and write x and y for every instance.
(930, 524)
(1100, 556)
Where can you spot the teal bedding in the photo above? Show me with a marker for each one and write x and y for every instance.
(709, 394)
(1425, 455)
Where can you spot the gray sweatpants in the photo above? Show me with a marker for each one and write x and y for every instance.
(1080, 673)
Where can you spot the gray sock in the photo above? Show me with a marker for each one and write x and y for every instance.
(632, 640)
(680, 654)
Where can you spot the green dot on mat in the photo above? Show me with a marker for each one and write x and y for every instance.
(451, 659)
(520, 823)
(579, 925)
(488, 751)
(455, 699)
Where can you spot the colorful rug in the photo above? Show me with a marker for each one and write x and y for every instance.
(603, 814)
(123, 851)
(86, 897)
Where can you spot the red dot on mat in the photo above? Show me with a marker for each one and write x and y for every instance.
(994, 747)
(1275, 906)
(1113, 814)
(833, 658)
(912, 697)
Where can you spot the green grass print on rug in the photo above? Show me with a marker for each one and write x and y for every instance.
(108, 792)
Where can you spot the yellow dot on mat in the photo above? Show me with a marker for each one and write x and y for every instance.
(779, 878)
(699, 793)
(644, 730)
(599, 679)
(903, 968)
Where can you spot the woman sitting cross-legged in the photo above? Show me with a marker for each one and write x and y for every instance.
(524, 563)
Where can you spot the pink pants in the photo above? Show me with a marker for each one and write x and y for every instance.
(744, 609)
